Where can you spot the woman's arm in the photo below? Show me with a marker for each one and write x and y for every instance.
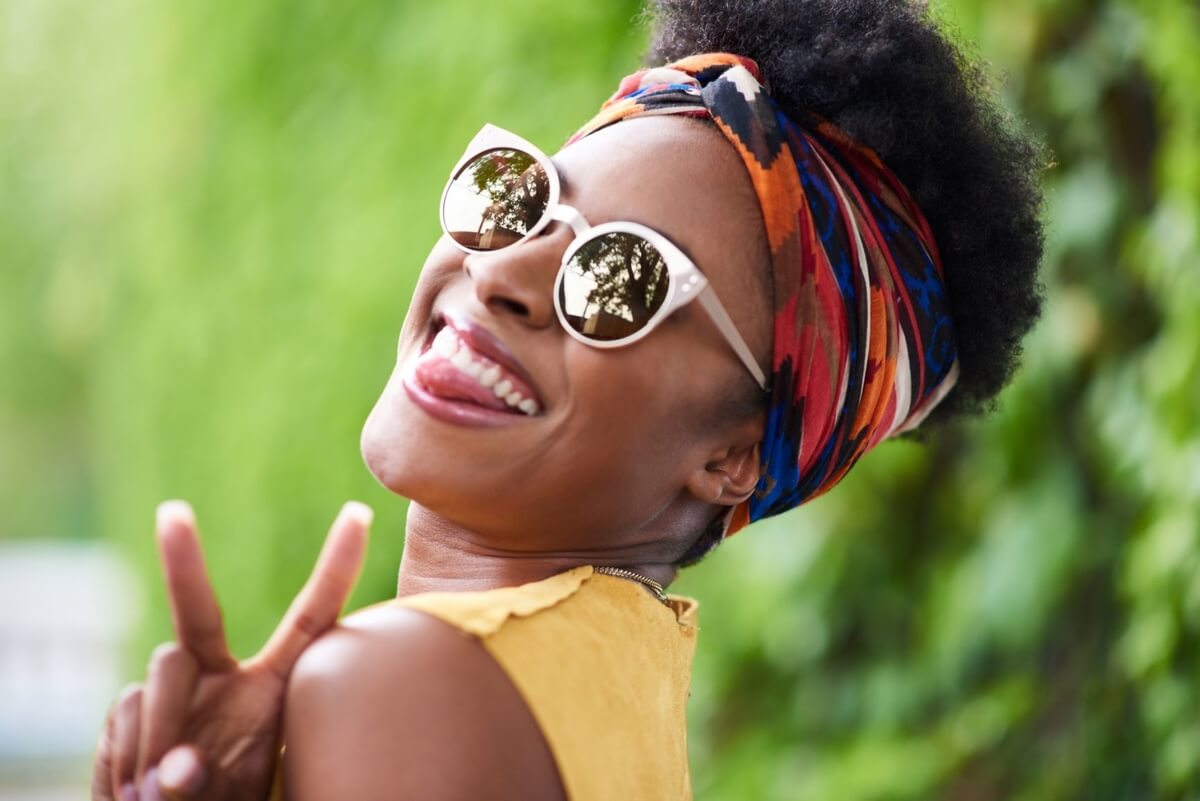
(396, 704)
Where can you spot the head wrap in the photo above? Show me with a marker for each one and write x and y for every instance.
(863, 343)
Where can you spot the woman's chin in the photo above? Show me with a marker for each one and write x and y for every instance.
(382, 455)
(385, 452)
(408, 448)
(402, 459)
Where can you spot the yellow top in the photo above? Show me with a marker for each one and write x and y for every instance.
(604, 668)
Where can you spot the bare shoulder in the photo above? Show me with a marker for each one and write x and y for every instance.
(394, 703)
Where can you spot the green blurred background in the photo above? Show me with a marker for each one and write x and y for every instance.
(211, 219)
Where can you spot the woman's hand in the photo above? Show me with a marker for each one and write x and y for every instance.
(204, 725)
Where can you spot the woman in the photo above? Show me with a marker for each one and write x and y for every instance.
(858, 223)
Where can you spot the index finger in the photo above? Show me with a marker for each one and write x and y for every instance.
(320, 601)
(195, 613)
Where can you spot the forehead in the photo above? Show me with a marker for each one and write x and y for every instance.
(677, 175)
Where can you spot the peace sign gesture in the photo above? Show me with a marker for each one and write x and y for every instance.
(204, 725)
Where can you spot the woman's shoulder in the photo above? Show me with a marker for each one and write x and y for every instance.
(422, 631)
(394, 701)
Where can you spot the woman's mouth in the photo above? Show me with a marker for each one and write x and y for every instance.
(451, 369)
(455, 382)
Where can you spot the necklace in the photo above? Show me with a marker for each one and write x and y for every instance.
(629, 574)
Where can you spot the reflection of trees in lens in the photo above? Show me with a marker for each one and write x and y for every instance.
(630, 283)
(516, 187)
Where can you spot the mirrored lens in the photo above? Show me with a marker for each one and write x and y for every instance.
(613, 285)
(495, 199)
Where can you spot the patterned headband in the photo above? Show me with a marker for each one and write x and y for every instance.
(863, 343)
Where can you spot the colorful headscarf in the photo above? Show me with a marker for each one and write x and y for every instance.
(863, 343)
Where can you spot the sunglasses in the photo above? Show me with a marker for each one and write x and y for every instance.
(617, 280)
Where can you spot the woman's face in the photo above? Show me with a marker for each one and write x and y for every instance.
(618, 448)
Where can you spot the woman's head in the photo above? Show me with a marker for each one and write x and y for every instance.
(650, 440)
(882, 72)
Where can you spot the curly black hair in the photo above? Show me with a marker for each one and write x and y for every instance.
(892, 77)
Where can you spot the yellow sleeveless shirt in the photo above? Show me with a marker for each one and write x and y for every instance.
(604, 667)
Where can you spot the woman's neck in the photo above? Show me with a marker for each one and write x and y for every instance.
(440, 555)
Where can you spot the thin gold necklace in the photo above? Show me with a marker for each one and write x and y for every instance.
(629, 574)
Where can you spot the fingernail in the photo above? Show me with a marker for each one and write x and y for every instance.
(149, 791)
(168, 511)
(359, 511)
(128, 792)
(180, 771)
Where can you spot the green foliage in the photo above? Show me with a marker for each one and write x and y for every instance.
(212, 216)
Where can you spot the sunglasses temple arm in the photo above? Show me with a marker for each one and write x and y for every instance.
(708, 299)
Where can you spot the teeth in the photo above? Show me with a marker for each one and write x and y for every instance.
(445, 342)
(487, 374)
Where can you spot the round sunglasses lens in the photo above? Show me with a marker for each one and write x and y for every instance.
(495, 199)
(612, 286)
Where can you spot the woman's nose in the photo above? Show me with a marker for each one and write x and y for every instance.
(519, 279)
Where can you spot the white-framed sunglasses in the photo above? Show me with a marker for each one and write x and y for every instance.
(617, 280)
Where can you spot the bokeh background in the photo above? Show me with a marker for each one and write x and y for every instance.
(211, 219)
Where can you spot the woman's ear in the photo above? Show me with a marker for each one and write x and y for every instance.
(730, 475)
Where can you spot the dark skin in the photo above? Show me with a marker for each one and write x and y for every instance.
(392, 703)
(634, 500)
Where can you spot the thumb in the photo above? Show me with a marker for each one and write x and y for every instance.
(180, 776)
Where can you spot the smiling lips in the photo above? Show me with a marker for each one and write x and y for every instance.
(451, 369)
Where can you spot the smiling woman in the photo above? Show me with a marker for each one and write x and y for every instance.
(628, 171)
(571, 429)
